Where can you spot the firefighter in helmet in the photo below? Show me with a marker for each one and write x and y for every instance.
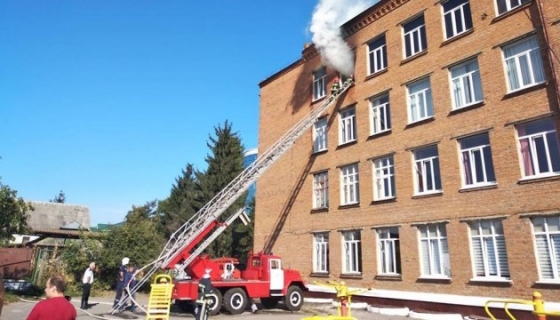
(335, 86)
(202, 302)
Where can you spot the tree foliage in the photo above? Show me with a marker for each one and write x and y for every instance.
(59, 198)
(243, 235)
(13, 214)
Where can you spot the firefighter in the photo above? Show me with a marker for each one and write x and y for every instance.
(204, 289)
(335, 86)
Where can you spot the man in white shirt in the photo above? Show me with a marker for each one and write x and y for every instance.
(87, 280)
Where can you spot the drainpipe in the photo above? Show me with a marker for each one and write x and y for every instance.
(550, 54)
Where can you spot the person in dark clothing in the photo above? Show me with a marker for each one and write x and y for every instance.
(204, 289)
(129, 283)
(87, 280)
(120, 281)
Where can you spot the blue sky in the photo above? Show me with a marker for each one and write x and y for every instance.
(109, 100)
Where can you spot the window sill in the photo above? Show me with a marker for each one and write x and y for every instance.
(346, 144)
(419, 54)
(511, 12)
(496, 281)
(380, 134)
(551, 177)
(427, 195)
(519, 92)
(467, 108)
(381, 201)
(388, 277)
(320, 210)
(316, 153)
(319, 274)
(434, 279)
(373, 75)
(419, 122)
(478, 188)
(351, 276)
(318, 99)
(457, 37)
(349, 206)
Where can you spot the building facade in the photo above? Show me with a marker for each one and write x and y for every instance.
(438, 171)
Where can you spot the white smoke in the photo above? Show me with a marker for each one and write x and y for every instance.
(327, 18)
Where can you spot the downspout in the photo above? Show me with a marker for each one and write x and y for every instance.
(550, 54)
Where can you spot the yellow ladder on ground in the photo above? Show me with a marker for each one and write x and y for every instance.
(160, 298)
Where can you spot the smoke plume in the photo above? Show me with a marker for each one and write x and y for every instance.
(327, 18)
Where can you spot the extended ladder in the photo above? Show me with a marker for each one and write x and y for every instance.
(227, 196)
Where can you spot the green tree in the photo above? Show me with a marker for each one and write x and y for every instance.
(13, 214)
(224, 164)
(59, 198)
(243, 234)
(181, 204)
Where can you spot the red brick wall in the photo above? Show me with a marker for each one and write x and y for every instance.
(15, 263)
(284, 221)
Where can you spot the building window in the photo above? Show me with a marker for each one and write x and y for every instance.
(349, 180)
(457, 17)
(433, 251)
(415, 37)
(547, 239)
(321, 253)
(319, 83)
(465, 84)
(420, 105)
(388, 251)
(383, 178)
(426, 164)
(380, 120)
(321, 190)
(377, 52)
(507, 5)
(352, 254)
(476, 161)
(320, 135)
(538, 144)
(347, 132)
(489, 249)
(523, 64)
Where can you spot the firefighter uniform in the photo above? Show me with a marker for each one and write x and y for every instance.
(204, 289)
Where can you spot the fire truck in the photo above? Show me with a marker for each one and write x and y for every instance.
(263, 277)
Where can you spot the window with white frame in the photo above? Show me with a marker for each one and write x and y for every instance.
(350, 185)
(321, 190)
(380, 120)
(388, 251)
(538, 145)
(319, 83)
(352, 252)
(427, 178)
(465, 84)
(420, 104)
(457, 17)
(321, 252)
(547, 240)
(320, 135)
(414, 37)
(347, 128)
(434, 252)
(523, 64)
(383, 178)
(476, 161)
(377, 53)
(507, 5)
(488, 247)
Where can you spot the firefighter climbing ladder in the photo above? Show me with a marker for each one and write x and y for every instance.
(217, 205)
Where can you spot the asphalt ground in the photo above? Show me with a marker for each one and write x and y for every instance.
(101, 307)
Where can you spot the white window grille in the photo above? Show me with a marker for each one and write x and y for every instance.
(321, 190)
(547, 241)
(466, 85)
(347, 128)
(523, 64)
(414, 37)
(321, 253)
(319, 83)
(377, 53)
(476, 161)
(350, 185)
(434, 251)
(457, 17)
(352, 254)
(383, 179)
(380, 120)
(538, 145)
(388, 248)
(427, 178)
(489, 252)
(320, 135)
(507, 5)
(420, 105)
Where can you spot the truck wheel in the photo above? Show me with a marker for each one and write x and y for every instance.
(235, 301)
(294, 299)
(216, 304)
(270, 303)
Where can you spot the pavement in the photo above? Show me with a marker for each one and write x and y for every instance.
(101, 307)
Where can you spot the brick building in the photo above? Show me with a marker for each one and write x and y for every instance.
(438, 172)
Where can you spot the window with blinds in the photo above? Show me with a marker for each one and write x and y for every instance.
(321, 253)
(488, 250)
(547, 241)
(434, 252)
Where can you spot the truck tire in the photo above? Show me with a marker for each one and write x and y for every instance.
(216, 305)
(235, 301)
(270, 303)
(294, 299)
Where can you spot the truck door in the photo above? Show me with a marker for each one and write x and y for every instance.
(276, 275)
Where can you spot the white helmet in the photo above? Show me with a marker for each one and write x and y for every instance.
(125, 261)
(207, 273)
